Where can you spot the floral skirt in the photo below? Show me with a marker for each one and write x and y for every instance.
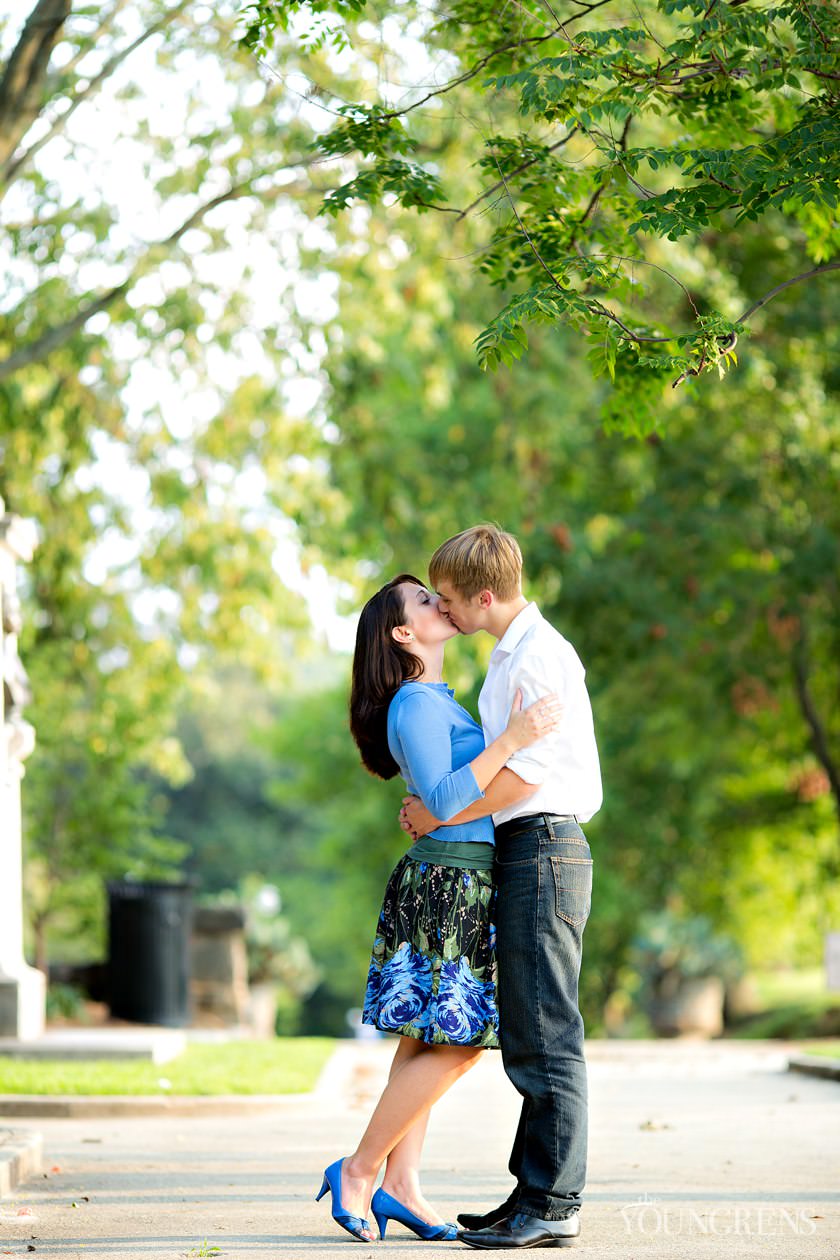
(433, 968)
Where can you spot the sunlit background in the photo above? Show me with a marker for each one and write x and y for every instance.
(272, 412)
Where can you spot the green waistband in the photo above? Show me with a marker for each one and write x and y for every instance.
(474, 855)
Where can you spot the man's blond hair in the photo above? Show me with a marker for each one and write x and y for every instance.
(481, 558)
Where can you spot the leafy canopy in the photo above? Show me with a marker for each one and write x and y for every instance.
(612, 145)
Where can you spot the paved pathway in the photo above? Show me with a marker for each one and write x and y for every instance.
(707, 1150)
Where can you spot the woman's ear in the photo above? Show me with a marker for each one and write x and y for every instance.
(402, 635)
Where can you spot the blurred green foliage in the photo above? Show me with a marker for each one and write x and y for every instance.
(185, 715)
(132, 447)
(65, 1001)
(696, 576)
(596, 142)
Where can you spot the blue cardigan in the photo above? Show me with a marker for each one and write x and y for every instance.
(433, 740)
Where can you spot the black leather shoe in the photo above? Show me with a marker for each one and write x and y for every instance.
(472, 1220)
(520, 1230)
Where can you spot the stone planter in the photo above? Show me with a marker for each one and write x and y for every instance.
(219, 966)
(693, 1007)
(262, 1009)
(740, 1000)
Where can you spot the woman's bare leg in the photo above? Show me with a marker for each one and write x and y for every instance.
(402, 1169)
(402, 1172)
(416, 1083)
(407, 1048)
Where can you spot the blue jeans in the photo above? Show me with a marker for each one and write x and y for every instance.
(543, 874)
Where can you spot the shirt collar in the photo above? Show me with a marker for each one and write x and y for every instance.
(517, 630)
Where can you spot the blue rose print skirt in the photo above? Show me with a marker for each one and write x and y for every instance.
(433, 968)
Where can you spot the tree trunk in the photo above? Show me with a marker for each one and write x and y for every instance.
(39, 927)
(816, 727)
(21, 88)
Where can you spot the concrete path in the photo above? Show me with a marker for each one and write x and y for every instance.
(707, 1150)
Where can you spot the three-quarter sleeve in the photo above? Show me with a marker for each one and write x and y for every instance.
(423, 731)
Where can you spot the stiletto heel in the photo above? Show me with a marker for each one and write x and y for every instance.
(382, 1222)
(357, 1226)
(386, 1208)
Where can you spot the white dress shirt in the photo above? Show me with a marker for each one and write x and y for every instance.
(535, 657)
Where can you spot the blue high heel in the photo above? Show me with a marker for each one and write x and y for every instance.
(386, 1208)
(353, 1224)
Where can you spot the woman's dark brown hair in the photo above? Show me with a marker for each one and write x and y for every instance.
(380, 664)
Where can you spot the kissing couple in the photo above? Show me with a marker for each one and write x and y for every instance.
(479, 939)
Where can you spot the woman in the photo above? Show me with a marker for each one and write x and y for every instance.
(432, 974)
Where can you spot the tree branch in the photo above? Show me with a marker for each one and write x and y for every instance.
(468, 74)
(488, 192)
(805, 275)
(596, 306)
(596, 196)
(731, 341)
(727, 343)
(58, 336)
(16, 163)
(526, 233)
(559, 29)
(104, 25)
(819, 738)
(25, 72)
(644, 262)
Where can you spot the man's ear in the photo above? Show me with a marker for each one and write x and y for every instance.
(485, 600)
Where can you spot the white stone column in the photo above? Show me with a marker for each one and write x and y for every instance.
(22, 988)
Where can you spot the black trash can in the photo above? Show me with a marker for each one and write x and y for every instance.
(148, 951)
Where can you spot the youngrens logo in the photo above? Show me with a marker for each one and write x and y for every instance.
(767, 1220)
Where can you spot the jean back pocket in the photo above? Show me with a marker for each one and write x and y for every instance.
(572, 888)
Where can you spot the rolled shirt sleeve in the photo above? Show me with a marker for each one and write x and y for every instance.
(423, 732)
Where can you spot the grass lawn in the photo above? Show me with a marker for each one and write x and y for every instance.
(783, 987)
(793, 1004)
(288, 1065)
(829, 1048)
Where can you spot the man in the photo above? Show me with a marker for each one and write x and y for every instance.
(544, 878)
